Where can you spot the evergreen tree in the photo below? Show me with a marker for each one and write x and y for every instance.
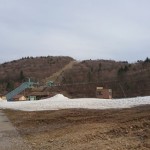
(89, 75)
(147, 60)
(99, 67)
(22, 77)
(9, 86)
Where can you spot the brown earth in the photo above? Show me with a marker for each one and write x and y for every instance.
(78, 129)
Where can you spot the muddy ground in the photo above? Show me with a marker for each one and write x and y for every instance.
(78, 129)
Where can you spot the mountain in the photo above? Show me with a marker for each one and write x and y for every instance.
(38, 68)
(78, 79)
(125, 79)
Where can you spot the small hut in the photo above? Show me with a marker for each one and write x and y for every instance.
(103, 93)
(3, 98)
(19, 98)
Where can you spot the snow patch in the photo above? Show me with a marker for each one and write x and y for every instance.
(59, 101)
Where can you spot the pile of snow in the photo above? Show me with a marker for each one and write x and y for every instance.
(58, 97)
(61, 102)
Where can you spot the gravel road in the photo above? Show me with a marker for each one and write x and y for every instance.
(9, 136)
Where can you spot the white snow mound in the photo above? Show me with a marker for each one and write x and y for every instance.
(61, 102)
(58, 97)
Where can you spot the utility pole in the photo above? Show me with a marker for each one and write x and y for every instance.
(122, 90)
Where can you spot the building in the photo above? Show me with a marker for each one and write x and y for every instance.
(3, 98)
(19, 98)
(0, 96)
(32, 98)
(50, 83)
(37, 95)
(103, 93)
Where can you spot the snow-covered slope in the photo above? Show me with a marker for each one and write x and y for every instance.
(61, 102)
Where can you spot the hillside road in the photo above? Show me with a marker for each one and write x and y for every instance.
(9, 136)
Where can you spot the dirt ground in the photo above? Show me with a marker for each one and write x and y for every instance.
(78, 129)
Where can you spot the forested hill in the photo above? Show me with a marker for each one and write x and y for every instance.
(126, 79)
(37, 68)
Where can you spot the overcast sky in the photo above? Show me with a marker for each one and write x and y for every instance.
(82, 29)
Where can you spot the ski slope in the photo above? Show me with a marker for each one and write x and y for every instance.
(60, 102)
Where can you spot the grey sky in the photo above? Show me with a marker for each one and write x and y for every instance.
(83, 29)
